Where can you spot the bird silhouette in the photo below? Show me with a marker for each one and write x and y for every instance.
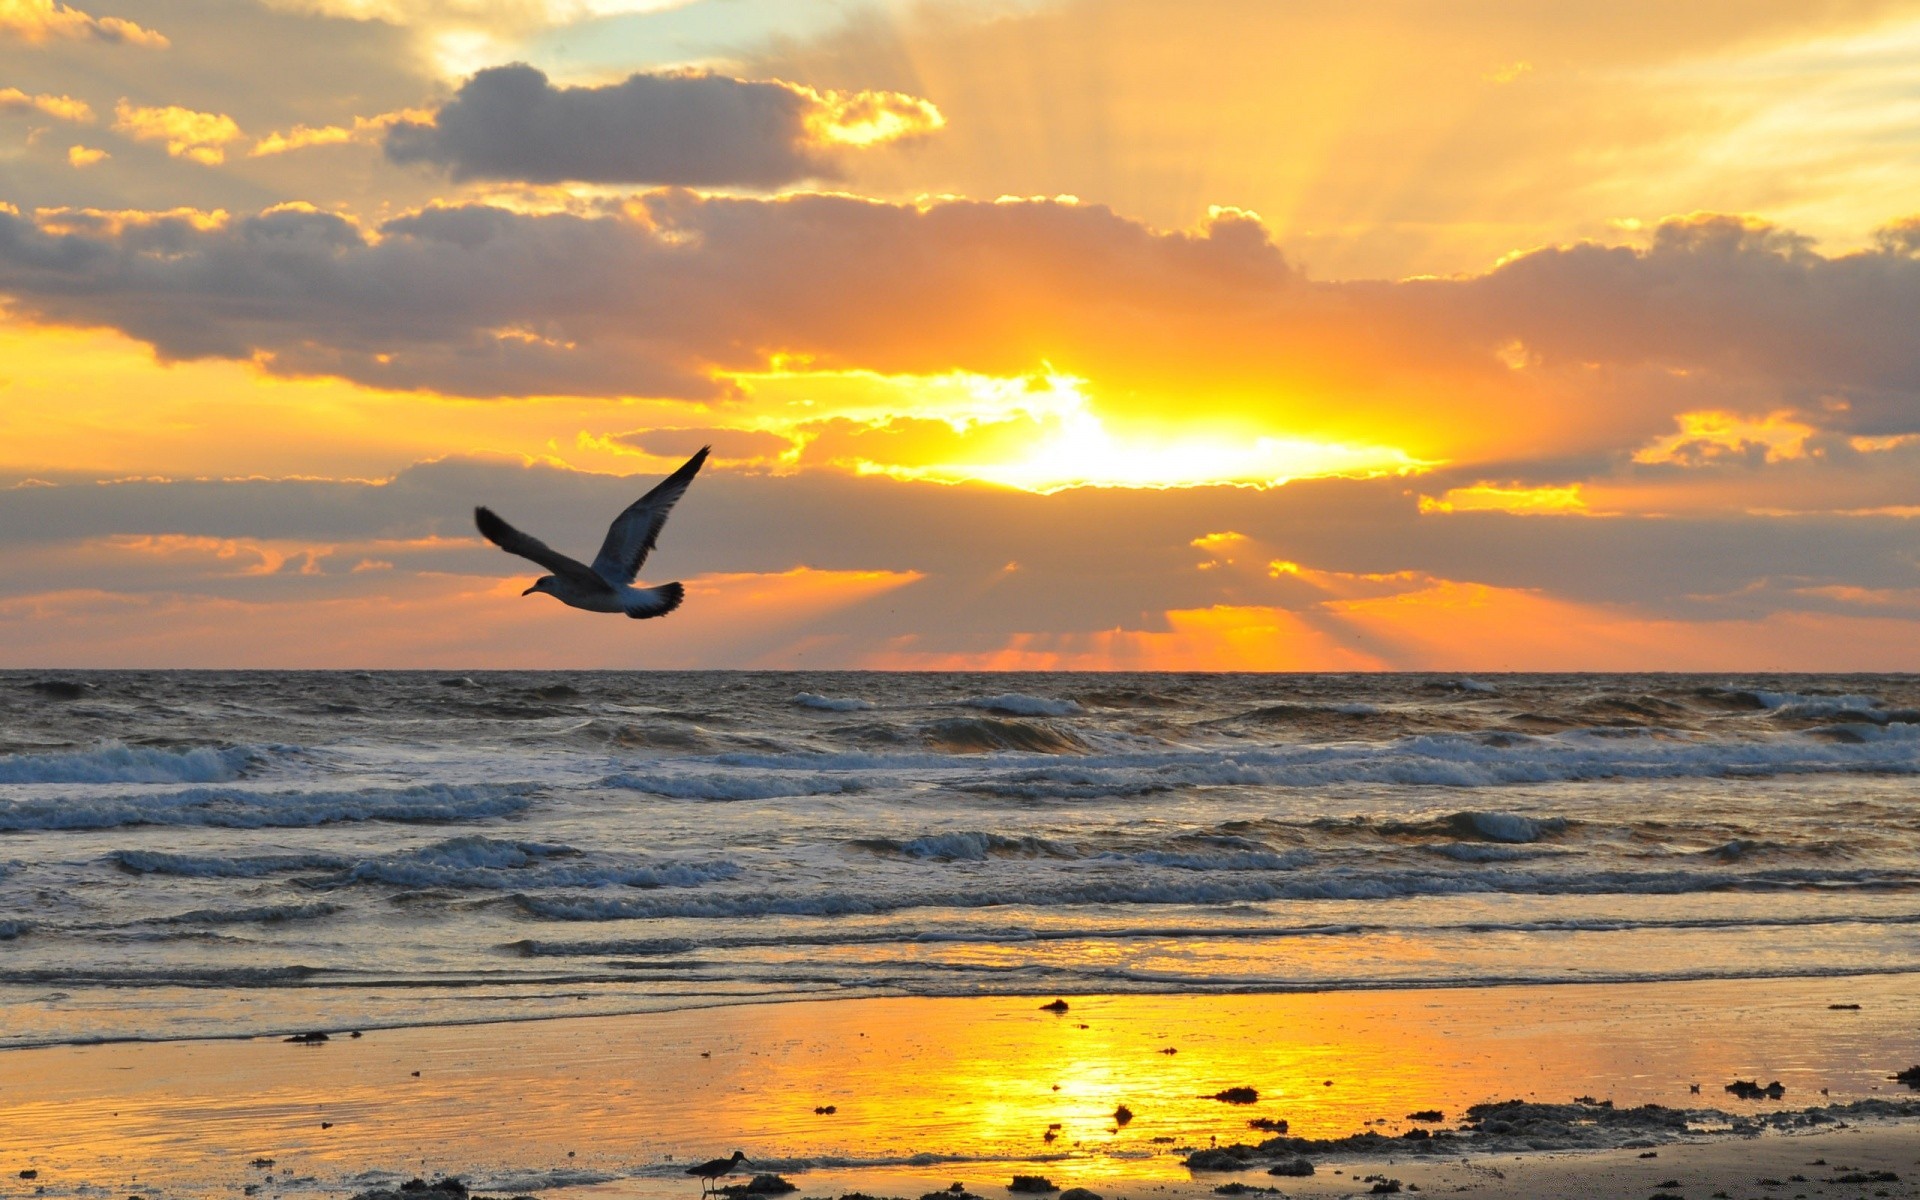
(607, 585)
(709, 1172)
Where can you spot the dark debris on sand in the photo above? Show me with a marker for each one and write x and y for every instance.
(1036, 1184)
(446, 1188)
(761, 1185)
(1750, 1089)
(1517, 1126)
(1236, 1095)
(1910, 1077)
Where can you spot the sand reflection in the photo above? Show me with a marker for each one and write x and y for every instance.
(955, 1079)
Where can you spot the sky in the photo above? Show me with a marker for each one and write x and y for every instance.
(1453, 335)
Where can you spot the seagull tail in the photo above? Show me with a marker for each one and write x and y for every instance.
(657, 601)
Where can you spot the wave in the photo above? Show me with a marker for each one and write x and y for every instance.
(829, 937)
(1505, 827)
(833, 703)
(215, 866)
(234, 808)
(488, 864)
(1460, 761)
(264, 914)
(983, 735)
(1018, 704)
(736, 785)
(119, 763)
(1248, 888)
(965, 846)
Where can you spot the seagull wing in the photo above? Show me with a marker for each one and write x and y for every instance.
(527, 546)
(633, 533)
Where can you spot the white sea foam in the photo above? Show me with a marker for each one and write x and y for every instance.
(1794, 704)
(833, 703)
(1020, 705)
(117, 763)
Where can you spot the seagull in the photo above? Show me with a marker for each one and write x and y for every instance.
(711, 1170)
(607, 585)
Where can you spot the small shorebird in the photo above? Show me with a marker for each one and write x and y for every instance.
(710, 1171)
(607, 585)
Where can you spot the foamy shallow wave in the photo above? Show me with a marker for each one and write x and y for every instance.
(1463, 761)
(1871, 709)
(1018, 704)
(117, 763)
(833, 703)
(490, 864)
(235, 808)
(1252, 887)
(828, 937)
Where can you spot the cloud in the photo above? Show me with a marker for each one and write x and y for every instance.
(1580, 350)
(1326, 574)
(729, 445)
(65, 108)
(363, 130)
(200, 136)
(37, 21)
(510, 123)
(86, 156)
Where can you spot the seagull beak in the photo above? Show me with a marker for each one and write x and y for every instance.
(530, 591)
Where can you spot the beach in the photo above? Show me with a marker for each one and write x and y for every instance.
(926, 1092)
(570, 932)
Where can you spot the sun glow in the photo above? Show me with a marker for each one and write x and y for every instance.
(1079, 450)
(1039, 433)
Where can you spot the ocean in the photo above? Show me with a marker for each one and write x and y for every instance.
(190, 854)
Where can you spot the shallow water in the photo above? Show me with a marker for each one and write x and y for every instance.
(217, 853)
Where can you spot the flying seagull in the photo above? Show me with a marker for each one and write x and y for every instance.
(711, 1171)
(607, 585)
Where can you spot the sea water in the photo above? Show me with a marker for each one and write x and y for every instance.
(192, 854)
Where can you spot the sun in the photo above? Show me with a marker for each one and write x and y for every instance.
(1078, 448)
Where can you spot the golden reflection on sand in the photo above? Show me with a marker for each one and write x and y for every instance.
(972, 1078)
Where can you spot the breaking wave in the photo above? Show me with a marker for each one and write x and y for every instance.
(117, 763)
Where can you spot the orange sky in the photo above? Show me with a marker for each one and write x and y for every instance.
(1034, 333)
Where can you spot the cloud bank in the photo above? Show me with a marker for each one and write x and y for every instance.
(1575, 350)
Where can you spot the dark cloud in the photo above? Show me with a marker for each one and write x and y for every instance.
(694, 130)
(995, 562)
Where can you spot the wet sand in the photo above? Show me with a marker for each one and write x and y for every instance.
(614, 1107)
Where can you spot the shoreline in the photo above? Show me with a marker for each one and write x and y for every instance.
(856, 995)
(855, 1092)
